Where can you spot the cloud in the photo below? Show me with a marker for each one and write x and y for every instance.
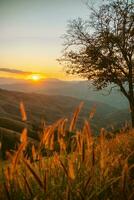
(15, 71)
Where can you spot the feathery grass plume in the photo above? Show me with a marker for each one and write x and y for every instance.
(75, 116)
(71, 171)
(47, 134)
(60, 128)
(34, 155)
(79, 142)
(51, 147)
(35, 175)
(62, 145)
(89, 171)
(124, 178)
(63, 127)
(87, 134)
(23, 136)
(49, 143)
(23, 112)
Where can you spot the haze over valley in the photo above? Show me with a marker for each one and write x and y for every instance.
(79, 89)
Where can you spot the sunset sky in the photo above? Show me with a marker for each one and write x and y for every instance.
(30, 35)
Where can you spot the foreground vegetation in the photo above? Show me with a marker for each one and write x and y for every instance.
(70, 164)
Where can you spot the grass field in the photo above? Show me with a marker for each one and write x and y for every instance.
(71, 164)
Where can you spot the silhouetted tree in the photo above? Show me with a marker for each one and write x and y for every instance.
(101, 49)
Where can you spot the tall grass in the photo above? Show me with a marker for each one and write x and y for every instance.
(71, 164)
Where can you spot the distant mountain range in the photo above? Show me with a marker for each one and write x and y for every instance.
(53, 107)
(78, 89)
(49, 108)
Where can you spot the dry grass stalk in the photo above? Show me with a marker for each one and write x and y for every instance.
(93, 155)
(64, 168)
(7, 192)
(83, 150)
(27, 185)
(16, 157)
(75, 116)
(35, 175)
(71, 171)
(8, 175)
(102, 151)
(34, 155)
(68, 193)
(45, 182)
(23, 112)
(45, 135)
(79, 140)
(87, 182)
(124, 178)
(63, 127)
(87, 134)
(23, 137)
(62, 145)
(48, 136)
(46, 139)
(51, 146)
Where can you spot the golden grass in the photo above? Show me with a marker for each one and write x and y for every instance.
(23, 112)
(81, 167)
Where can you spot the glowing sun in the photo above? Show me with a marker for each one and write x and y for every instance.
(35, 77)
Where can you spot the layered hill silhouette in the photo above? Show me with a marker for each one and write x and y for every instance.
(50, 108)
(79, 89)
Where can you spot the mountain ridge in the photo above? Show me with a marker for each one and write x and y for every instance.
(49, 108)
(79, 89)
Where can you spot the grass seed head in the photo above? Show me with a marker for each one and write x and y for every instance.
(23, 112)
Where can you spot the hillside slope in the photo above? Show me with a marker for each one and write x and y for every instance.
(49, 109)
(78, 89)
(52, 107)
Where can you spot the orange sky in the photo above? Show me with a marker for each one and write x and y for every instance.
(30, 35)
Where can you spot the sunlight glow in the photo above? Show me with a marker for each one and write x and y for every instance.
(35, 77)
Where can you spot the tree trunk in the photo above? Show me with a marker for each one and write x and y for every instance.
(132, 112)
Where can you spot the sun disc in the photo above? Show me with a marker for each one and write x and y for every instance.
(35, 77)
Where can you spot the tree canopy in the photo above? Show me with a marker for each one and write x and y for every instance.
(101, 48)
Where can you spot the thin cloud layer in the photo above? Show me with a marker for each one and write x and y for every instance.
(15, 71)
